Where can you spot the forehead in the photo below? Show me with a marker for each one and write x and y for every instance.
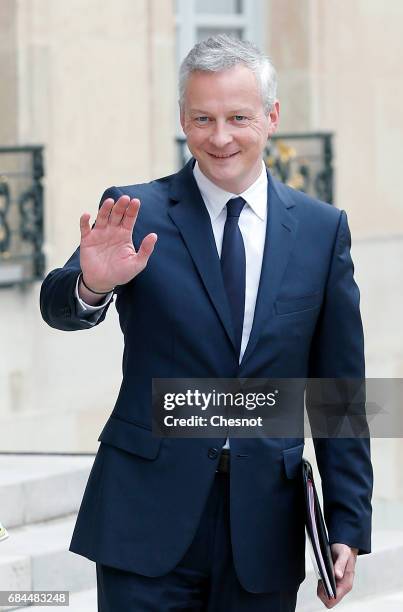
(233, 88)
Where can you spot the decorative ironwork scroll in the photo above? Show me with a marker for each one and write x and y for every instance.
(22, 259)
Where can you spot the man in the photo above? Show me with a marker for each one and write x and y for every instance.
(249, 279)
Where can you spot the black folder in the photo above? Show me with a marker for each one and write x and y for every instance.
(318, 541)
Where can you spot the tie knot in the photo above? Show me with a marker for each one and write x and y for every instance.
(235, 206)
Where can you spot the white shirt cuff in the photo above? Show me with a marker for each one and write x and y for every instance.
(84, 307)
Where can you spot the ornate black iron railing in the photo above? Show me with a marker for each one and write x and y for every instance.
(22, 260)
(303, 161)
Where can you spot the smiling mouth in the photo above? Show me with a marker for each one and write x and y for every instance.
(227, 156)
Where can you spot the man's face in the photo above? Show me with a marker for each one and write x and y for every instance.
(226, 127)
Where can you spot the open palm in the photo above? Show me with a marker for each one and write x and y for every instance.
(107, 255)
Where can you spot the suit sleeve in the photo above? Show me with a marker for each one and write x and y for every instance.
(58, 303)
(337, 352)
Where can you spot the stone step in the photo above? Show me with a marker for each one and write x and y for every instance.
(36, 488)
(85, 601)
(36, 557)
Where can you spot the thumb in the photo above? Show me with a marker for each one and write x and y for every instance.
(340, 565)
(147, 247)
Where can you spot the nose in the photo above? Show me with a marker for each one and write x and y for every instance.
(220, 135)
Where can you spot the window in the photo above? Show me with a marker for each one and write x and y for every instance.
(198, 19)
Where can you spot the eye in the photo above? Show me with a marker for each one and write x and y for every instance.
(240, 118)
(202, 119)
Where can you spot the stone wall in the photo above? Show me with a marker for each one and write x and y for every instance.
(96, 84)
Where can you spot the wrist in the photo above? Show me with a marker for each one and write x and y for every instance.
(94, 290)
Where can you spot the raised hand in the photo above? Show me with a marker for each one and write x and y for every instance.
(107, 255)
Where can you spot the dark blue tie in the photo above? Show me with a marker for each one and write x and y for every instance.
(233, 266)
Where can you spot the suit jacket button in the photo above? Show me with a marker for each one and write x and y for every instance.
(212, 453)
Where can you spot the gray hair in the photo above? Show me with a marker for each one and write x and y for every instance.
(222, 52)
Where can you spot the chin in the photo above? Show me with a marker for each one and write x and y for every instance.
(223, 173)
(223, 168)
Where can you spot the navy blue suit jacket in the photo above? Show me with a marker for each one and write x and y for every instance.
(145, 495)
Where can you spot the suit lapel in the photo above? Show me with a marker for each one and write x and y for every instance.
(280, 235)
(191, 217)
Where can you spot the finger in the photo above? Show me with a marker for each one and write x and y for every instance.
(146, 248)
(346, 584)
(340, 565)
(103, 213)
(329, 602)
(85, 225)
(130, 216)
(342, 588)
(118, 210)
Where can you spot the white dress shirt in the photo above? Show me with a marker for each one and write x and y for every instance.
(252, 224)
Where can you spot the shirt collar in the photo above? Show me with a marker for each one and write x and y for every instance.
(216, 198)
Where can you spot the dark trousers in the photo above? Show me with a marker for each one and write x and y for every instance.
(203, 581)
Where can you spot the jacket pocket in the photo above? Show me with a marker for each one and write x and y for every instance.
(299, 304)
(130, 437)
(292, 460)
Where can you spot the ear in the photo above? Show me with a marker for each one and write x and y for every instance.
(274, 118)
